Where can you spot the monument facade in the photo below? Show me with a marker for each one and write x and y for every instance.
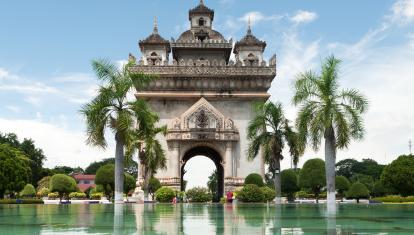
(205, 98)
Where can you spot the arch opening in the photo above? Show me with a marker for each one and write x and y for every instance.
(214, 156)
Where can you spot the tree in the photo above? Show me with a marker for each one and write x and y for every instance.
(328, 112)
(379, 189)
(369, 167)
(342, 185)
(63, 184)
(254, 178)
(111, 109)
(212, 185)
(28, 191)
(269, 130)
(15, 169)
(312, 176)
(29, 149)
(399, 175)
(105, 176)
(130, 166)
(367, 180)
(67, 170)
(43, 183)
(358, 190)
(289, 181)
(346, 167)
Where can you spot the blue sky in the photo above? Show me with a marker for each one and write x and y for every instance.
(46, 48)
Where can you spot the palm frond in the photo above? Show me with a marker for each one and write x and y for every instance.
(105, 70)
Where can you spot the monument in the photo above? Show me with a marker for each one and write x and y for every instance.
(205, 98)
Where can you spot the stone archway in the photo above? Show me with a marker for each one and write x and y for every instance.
(215, 157)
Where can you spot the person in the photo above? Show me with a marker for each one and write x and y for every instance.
(229, 196)
(174, 201)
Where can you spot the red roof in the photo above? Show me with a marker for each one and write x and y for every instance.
(84, 177)
(84, 187)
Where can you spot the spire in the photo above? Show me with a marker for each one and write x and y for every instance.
(155, 31)
(249, 27)
(201, 2)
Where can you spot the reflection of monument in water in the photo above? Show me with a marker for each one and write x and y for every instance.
(205, 98)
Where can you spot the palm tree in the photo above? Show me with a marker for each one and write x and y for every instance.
(150, 152)
(329, 112)
(111, 109)
(268, 131)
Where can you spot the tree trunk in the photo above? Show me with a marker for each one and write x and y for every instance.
(357, 200)
(330, 159)
(147, 176)
(119, 170)
(1, 194)
(278, 185)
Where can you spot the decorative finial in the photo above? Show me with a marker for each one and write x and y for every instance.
(249, 27)
(201, 2)
(155, 31)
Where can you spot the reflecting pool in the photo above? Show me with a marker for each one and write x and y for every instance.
(205, 219)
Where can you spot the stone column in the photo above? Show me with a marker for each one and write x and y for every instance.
(228, 171)
(175, 159)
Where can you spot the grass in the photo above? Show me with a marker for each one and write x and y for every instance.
(395, 199)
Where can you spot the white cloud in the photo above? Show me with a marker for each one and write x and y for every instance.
(13, 108)
(61, 146)
(3, 73)
(302, 16)
(403, 11)
(256, 17)
(411, 40)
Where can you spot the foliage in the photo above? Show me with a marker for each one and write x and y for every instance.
(130, 166)
(43, 192)
(28, 191)
(255, 179)
(212, 184)
(379, 189)
(62, 184)
(15, 169)
(367, 180)
(153, 185)
(326, 111)
(304, 194)
(250, 193)
(342, 185)
(358, 190)
(43, 183)
(129, 183)
(351, 167)
(28, 148)
(53, 195)
(269, 131)
(223, 200)
(399, 175)
(394, 199)
(96, 196)
(21, 201)
(164, 194)
(268, 193)
(199, 194)
(289, 181)
(77, 195)
(312, 176)
(67, 170)
(105, 176)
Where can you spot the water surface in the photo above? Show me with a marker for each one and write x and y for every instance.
(205, 219)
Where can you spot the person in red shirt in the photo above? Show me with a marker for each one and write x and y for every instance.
(229, 196)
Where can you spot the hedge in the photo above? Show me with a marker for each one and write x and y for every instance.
(21, 201)
(78, 195)
(269, 194)
(394, 199)
(164, 194)
(199, 194)
(96, 196)
(251, 193)
(254, 179)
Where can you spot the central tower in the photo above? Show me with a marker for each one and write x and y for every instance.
(205, 98)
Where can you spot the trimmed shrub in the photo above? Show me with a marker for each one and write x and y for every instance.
(342, 184)
(251, 193)
(153, 185)
(358, 190)
(164, 194)
(105, 176)
(269, 194)
(199, 194)
(43, 192)
(77, 195)
(289, 181)
(62, 184)
(53, 195)
(312, 176)
(21, 201)
(255, 179)
(303, 194)
(28, 191)
(96, 196)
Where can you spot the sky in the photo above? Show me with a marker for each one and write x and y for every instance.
(46, 48)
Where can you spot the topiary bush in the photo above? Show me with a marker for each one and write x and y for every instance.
(77, 195)
(269, 194)
(153, 185)
(199, 194)
(96, 196)
(28, 191)
(53, 195)
(43, 192)
(164, 194)
(62, 184)
(251, 193)
(255, 179)
(358, 190)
